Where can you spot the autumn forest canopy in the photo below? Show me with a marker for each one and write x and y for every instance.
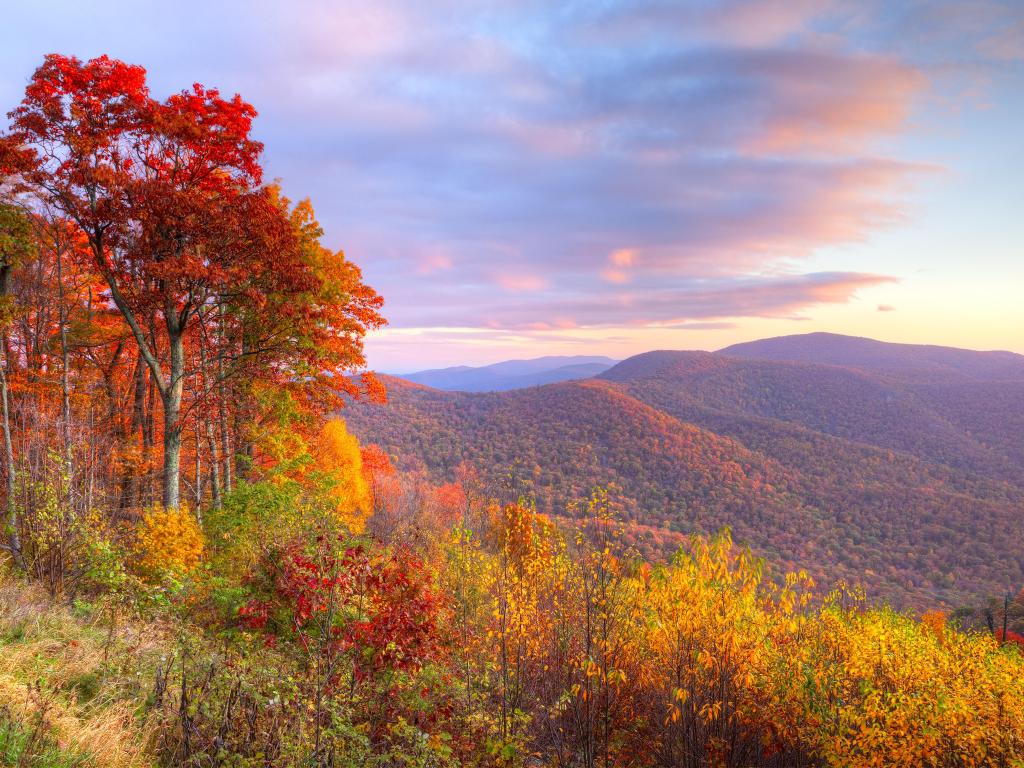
(694, 560)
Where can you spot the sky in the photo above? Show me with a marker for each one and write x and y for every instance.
(607, 177)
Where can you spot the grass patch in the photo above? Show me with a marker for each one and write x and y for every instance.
(72, 683)
(31, 745)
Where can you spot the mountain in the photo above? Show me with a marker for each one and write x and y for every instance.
(512, 374)
(845, 402)
(906, 361)
(557, 442)
(975, 398)
(906, 476)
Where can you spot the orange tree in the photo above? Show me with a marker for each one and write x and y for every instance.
(168, 197)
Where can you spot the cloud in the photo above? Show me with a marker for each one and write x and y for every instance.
(719, 325)
(1007, 44)
(852, 100)
(886, 308)
(984, 33)
(624, 257)
(527, 166)
(434, 262)
(619, 263)
(746, 23)
(657, 302)
(518, 283)
(712, 159)
(615, 275)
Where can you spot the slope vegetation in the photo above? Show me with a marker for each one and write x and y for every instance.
(806, 463)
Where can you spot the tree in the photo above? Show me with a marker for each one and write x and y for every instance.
(339, 465)
(15, 244)
(195, 254)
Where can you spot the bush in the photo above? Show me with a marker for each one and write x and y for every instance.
(168, 542)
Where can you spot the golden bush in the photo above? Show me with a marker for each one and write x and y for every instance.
(168, 541)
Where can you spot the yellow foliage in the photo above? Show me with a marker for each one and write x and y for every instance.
(705, 656)
(168, 540)
(280, 439)
(339, 465)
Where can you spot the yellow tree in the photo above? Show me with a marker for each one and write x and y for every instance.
(339, 477)
(523, 588)
(605, 598)
(712, 641)
(883, 689)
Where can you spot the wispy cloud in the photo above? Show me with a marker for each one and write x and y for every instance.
(659, 302)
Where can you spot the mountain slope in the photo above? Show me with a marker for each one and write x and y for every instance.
(592, 426)
(844, 402)
(913, 532)
(559, 441)
(905, 473)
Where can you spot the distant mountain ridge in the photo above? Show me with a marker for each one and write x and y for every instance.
(512, 374)
(885, 357)
(899, 466)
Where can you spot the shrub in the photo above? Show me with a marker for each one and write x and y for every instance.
(168, 542)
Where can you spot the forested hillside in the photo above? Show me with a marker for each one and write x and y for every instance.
(857, 474)
(857, 404)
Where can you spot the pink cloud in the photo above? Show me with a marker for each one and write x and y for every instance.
(558, 324)
(434, 262)
(521, 282)
(624, 257)
(660, 302)
(619, 262)
(826, 103)
(506, 153)
(615, 275)
(761, 22)
(1007, 44)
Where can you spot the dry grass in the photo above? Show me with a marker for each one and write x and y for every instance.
(87, 678)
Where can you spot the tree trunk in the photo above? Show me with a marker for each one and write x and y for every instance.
(139, 401)
(211, 440)
(172, 423)
(13, 540)
(172, 457)
(199, 476)
(146, 491)
(226, 450)
(65, 388)
(131, 483)
(222, 410)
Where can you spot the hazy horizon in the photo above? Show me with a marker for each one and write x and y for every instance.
(527, 358)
